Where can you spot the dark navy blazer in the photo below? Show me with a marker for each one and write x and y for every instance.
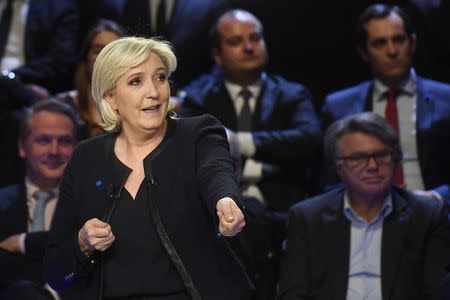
(432, 125)
(414, 249)
(51, 43)
(14, 220)
(285, 130)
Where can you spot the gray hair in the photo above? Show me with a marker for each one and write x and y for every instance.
(368, 123)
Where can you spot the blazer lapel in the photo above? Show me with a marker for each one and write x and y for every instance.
(221, 105)
(267, 101)
(112, 181)
(424, 114)
(394, 232)
(336, 230)
(425, 107)
(22, 212)
(364, 102)
(179, 8)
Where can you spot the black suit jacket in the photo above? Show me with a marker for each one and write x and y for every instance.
(51, 44)
(192, 170)
(14, 220)
(414, 253)
(285, 130)
(432, 125)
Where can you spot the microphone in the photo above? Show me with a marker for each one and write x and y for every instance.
(112, 199)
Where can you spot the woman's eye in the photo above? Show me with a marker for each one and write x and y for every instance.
(134, 81)
(161, 77)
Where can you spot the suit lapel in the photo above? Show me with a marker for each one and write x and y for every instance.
(424, 114)
(180, 8)
(365, 101)
(266, 102)
(35, 9)
(394, 232)
(222, 106)
(23, 208)
(336, 230)
(425, 107)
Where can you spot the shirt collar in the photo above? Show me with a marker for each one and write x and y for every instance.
(352, 216)
(234, 89)
(31, 188)
(407, 87)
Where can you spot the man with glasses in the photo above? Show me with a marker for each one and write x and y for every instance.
(417, 107)
(369, 239)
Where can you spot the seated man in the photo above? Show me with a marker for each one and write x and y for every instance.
(275, 122)
(47, 136)
(369, 239)
(38, 45)
(418, 108)
(38, 49)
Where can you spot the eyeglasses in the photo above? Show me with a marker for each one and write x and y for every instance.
(361, 160)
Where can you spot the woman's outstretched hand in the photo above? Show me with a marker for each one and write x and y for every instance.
(231, 218)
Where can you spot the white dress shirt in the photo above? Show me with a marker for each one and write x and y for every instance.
(407, 115)
(252, 170)
(170, 4)
(364, 277)
(14, 55)
(31, 204)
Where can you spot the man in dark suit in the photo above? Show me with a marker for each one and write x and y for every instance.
(387, 42)
(369, 239)
(41, 45)
(274, 119)
(38, 49)
(48, 133)
(275, 127)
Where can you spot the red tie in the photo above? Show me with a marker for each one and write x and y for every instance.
(391, 115)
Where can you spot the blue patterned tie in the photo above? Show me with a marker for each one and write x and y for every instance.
(42, 198)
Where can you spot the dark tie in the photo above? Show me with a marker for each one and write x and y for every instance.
(161, 18)
(42, 198)
(391, 116)
(5, 24)
(245, 117)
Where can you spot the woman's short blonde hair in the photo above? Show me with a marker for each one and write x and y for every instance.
(114, 61)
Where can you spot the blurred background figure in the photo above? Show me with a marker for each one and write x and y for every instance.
(368, 239)
(417, 107)
(38, 48)
(274, 124)
(38, 44)
(185, 23)
(274, 119)
(47, 136)
(101, 34)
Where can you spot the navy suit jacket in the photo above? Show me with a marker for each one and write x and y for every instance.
(432, 125)
(188, 30)
(285, 130)
(51, 44)
(414, 249)
(13, 220)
